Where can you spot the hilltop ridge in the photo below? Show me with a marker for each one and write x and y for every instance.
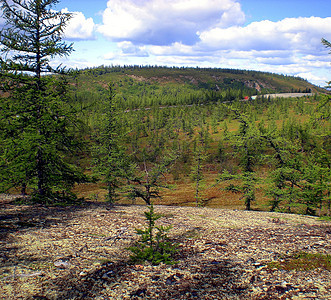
(204, 78)
(141, 86)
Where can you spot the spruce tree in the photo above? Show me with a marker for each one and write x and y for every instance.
(248, 148)
(300, 177)
(110, 159)
(200, 155)
(286, 174)
(37, 124)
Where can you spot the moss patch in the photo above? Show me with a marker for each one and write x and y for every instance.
(303, 261)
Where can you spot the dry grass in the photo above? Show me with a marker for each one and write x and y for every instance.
(182, 193)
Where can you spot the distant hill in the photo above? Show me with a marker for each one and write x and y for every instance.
(140, 85)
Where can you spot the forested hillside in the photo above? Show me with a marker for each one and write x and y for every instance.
(140, 86)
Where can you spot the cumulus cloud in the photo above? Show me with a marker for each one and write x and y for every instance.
(163, 22)
(313, 78)
(276, 60)
(302, 34)
(207, 33)
(290, 46)
(266, 41)
(79, 28)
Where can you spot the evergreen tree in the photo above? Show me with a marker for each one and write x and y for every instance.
(199, 157)
(285, 176)
(248, 148)
(110, 158)
(154, 244)
(38, 126)
(300, 177)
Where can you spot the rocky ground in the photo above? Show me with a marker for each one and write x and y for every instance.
(81, 253)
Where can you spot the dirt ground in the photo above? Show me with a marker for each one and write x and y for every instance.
(81, 253)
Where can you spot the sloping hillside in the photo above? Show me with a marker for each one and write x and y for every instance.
(135, 82)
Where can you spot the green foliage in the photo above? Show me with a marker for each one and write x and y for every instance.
(149, 86)
(248, 147)
(34, 31)
(111, 162)
(38, 139)
(153, 111)
(246, 186)
(154, 245)
(300, 179)
(38, 126)
(152, 127)
(200, 155)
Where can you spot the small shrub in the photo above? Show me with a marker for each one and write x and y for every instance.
(154, 245)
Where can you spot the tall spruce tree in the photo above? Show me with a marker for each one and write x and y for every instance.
(285, 176)
(200, 155)
(111, 161)
(37, 124)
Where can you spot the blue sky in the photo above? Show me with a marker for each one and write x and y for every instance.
(280, 36)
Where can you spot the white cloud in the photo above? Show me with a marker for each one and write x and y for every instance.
(313, 78)
(110, 55)
(209, 33)
(163, 22)
(79, 28)
(291, 46)
(303, 34)
(275, 60)
(174, 49)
